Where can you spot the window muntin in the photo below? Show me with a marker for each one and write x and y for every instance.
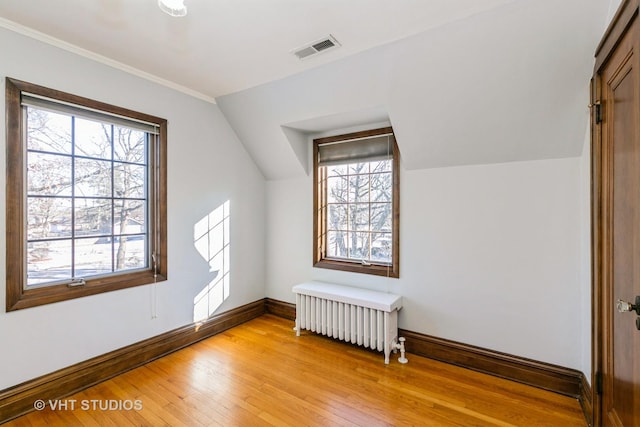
(356, 214)
(359, 211)
(86, 196)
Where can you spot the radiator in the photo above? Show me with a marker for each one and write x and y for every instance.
(359, 316)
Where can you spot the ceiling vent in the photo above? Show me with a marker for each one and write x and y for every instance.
(316, 47)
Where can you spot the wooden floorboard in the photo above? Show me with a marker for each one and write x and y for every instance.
(261, 374)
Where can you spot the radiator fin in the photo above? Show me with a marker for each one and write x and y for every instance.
(347, 322)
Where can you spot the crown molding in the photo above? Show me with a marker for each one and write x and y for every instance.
(45, 38)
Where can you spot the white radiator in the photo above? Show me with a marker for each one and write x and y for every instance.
(359, 316)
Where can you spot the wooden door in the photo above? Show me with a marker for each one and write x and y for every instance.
(617, 226)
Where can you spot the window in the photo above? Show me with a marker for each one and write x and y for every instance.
(86, 196)
(356, 203)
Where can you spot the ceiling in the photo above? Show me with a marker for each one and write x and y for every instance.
(462, 82)
(215, 48)
(509, 84)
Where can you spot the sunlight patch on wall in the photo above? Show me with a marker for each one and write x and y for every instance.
(211, 239)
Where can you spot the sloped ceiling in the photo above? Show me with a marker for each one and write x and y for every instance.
(223, 46)
(461, 81)
(508, 84)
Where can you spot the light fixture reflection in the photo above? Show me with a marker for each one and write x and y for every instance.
(173, 7)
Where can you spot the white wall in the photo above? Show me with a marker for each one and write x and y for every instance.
(490, 255)
(207, 166)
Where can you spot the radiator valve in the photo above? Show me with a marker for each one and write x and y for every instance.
(400, 346)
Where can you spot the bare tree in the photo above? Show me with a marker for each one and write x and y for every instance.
(131, 145)
(359, 208)
(107, 174)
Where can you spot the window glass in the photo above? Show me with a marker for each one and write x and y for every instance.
(84, 198)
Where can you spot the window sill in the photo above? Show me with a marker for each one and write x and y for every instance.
(50, 294)
(374, 269)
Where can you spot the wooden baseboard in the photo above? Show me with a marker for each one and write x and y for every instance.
(586, 400)
(538, 374)
(19, 399)
(281, 309)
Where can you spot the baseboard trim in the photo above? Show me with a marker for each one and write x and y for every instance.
(281, 309)
(586, 400)
(558, 379)
(19, 399)
(531, 372)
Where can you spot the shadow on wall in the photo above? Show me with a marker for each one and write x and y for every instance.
(211, 240)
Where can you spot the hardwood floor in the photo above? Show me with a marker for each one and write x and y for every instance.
(261, 374)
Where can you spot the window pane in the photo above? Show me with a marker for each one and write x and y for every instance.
(129, 145)
(359, 217)
(337, 244)
(381, 166)
(358, 245)
(381, 187)
(92, 139)
(130, 252)
(48, 217)
(92, 257)
(130, 217)
(92, 178)
(381, 217)
(356, 168)
(337, 189)
(337, 170)
(129, 180)
(337, 217)
(47, 131)
(92, 217)
(358, 188)
(48, 261)
(48, 174)
(381, 247)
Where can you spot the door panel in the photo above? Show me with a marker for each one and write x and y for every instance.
(620, 227)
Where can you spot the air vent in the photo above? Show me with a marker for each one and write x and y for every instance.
(324, 45)
(316, 47)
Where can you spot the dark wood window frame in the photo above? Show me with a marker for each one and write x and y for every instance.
(17, 297)
(319, 214)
